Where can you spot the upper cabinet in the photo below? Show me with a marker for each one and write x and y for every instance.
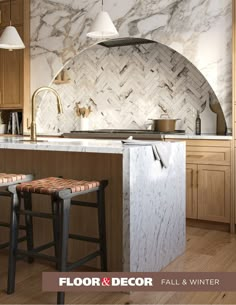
(14, 65)
(11, 78)
(17, 13)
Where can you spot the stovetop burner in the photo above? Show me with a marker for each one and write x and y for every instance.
(137, 131)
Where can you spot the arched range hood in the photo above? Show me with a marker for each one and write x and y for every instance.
(124, 41)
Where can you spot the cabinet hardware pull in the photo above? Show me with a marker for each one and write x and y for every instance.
(27, 123)
(0, 17)
(195, 156)
(192, 179)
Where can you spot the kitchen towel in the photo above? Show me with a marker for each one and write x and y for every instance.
(161, 151)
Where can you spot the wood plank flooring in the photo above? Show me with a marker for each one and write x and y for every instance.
(207, 250)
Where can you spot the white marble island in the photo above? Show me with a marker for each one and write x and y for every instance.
(145, 202)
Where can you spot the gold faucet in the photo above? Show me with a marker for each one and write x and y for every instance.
(33, 134)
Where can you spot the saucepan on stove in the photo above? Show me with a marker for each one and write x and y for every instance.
(164, 124)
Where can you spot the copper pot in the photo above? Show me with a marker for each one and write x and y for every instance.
(164, 125)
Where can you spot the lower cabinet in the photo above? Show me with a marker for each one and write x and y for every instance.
(208, 192)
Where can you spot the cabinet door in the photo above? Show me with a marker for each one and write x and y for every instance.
(191, 191)
(16, 13)
(214, 193)
(11, 74)
(1, 75)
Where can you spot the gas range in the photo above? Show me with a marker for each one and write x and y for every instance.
(133, 131)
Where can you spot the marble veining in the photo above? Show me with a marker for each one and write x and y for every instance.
(154, 217)
(125, 87)
(200, 30)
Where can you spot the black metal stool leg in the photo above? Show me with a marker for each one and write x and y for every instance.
(102, 228)
(29, 224)
(56, 231)
(64, 236)
(14, 223)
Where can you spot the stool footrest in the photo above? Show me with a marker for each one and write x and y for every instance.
(83, 260)
(7, 225)
(40, 248)
(33, 253)
(84, 238)
(84, 203)
(43, 247)
(5, 245)
(37, 214)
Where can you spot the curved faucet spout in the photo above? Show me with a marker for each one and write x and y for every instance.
(33, 134)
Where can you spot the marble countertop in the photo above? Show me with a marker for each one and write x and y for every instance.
(63, 144)
(200, 137)
(111, 146)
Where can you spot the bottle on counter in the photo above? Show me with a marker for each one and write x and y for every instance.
(198, 124)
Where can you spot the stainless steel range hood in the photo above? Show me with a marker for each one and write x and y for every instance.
(124, 41)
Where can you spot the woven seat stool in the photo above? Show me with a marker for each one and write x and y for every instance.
(8, 184)
(62, 191)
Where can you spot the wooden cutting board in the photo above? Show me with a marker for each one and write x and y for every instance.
(208, 120)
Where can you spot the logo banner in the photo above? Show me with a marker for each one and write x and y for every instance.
(139, 281)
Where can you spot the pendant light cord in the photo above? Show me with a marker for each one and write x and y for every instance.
(102, 5)
(10, 12)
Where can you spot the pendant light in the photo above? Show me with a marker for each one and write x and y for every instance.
(10, 38)
(102, 27)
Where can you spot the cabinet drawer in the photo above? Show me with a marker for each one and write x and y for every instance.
(208, 155)
(17, 13)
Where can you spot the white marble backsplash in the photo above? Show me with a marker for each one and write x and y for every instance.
(200, 30)
(125, 87)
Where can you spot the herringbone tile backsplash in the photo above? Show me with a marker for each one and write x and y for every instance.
(125, 87)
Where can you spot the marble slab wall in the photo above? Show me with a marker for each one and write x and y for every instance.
(125, 87)
(200, 30)
(154, 224)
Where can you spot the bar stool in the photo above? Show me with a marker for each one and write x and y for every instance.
(8, 183)
(61, 192)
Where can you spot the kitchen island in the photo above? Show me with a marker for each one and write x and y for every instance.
(145, 201)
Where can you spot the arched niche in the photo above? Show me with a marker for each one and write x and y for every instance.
(177, 86)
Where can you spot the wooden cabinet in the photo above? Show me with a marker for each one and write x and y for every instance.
(11, 81)
(208, 192)
(208, 181)
(14, 65)
(214, 193)
(16, 12)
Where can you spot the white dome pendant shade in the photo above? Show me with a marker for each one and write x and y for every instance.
(10, 39)
(102, 27)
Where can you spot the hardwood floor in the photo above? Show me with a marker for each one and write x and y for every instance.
(207, 250)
